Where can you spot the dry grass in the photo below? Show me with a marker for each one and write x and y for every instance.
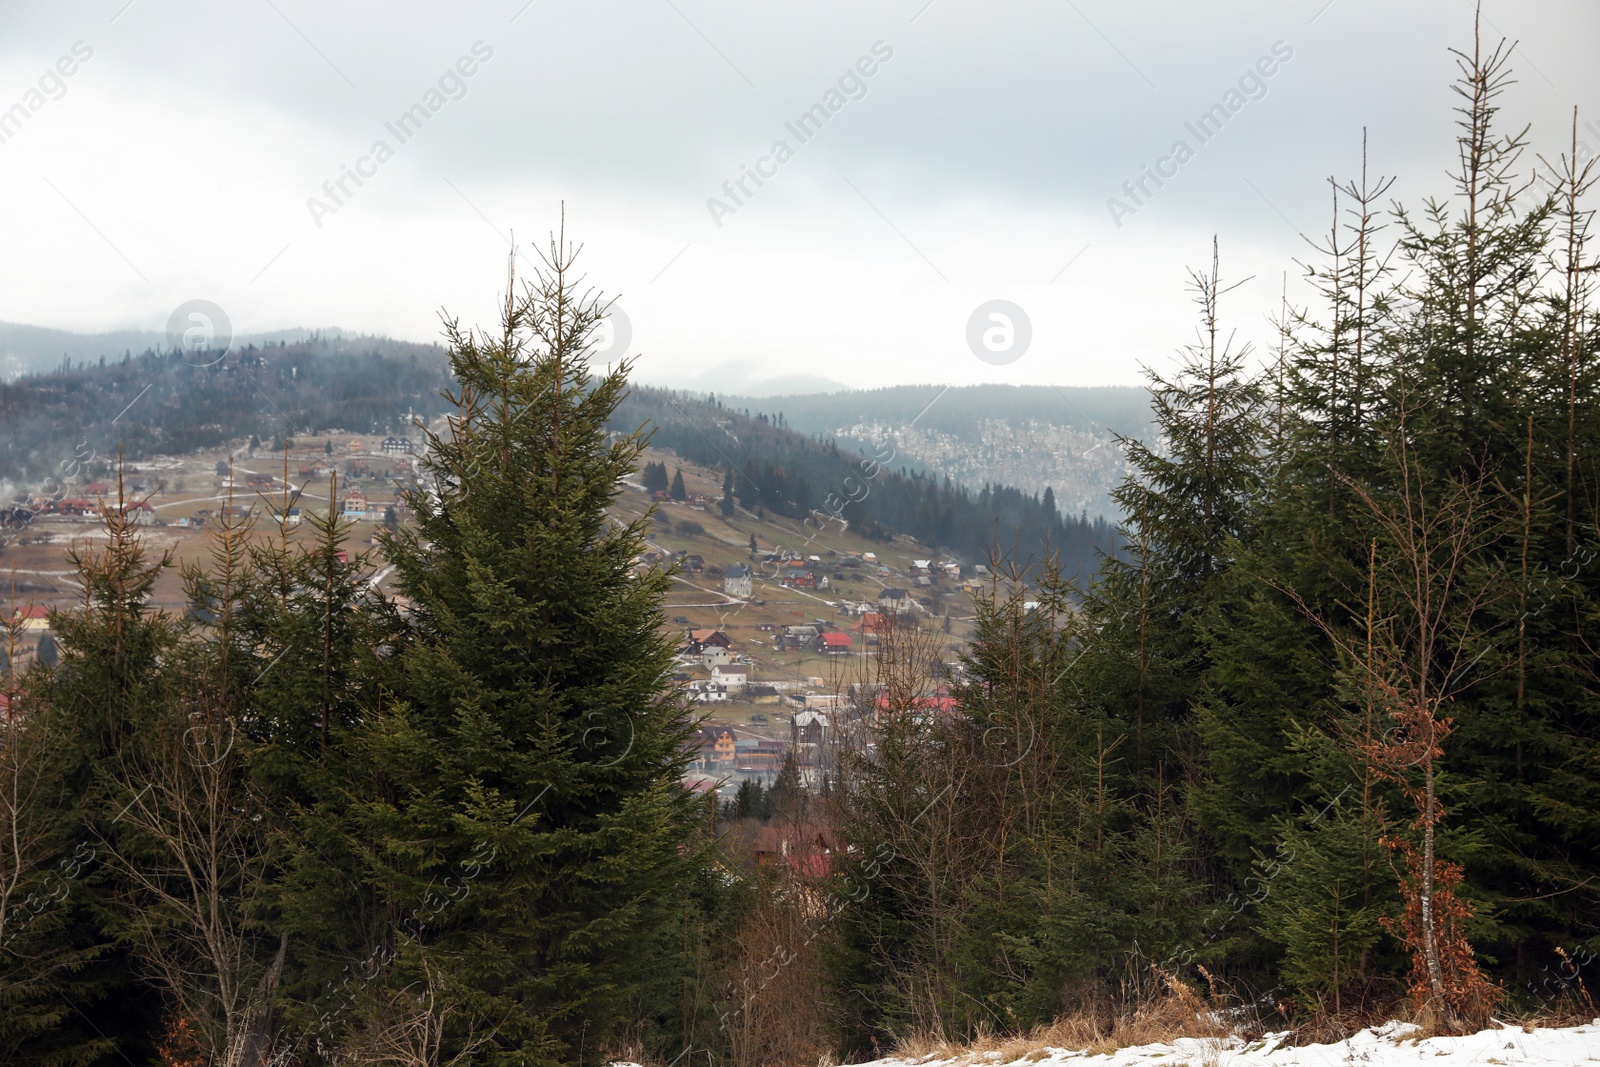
(1327, 1027)
(1177, 1011)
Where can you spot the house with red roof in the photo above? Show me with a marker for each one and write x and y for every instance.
(31, 618)
(700, 640)
(940, 705)
(873, 623)
(834, 643)
(807, 849)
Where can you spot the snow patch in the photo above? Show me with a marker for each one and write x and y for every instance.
(1394, 1044)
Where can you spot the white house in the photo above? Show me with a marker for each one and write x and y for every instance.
(736, 580)
(708, 692)
(897, 600)
(732, 675)
(714, 655)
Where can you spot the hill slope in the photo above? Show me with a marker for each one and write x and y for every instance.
(782, 470)
(1033, 437)
(156, 403)
(916, 471)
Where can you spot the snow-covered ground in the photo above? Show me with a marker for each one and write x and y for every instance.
(1391, 1045)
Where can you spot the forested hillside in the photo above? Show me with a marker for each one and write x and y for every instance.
(790, 473)
(1110, 409)
(1033, 436)
(171, 403)
(1326, 734)
(28, 349)
(161, 402)
(1318, 746)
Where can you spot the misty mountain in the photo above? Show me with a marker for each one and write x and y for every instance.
(160, 402)
(1033, 437)
(28, 349)
(777, 468)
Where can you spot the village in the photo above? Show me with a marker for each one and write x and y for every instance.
(776, 621)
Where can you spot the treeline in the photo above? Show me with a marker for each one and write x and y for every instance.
(1319, 739)
(295, 824)
(173, 403)
(794, 475)
(1324, 736)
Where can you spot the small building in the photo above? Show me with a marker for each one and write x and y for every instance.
(32, 618)
(896, 601)
(700, 640)
(714, 656)
(708, 692)
(808, 728)
(736, 580)
(717, 746)
(940, 705)
(803, 579)
(754, 756)
(731, 675)
(355, 505)
(807, 850)
(762, 694)
(396, 446)
(873, 623)
(834, 644)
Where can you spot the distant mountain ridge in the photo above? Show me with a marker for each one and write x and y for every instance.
(775, 467)
(1033, 437)
(28, 349)
(1028, 437)
(157, 402)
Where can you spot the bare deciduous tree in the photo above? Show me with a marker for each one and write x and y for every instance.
(192, 851)
(414, 1025)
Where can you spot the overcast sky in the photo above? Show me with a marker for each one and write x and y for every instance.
(186, 154)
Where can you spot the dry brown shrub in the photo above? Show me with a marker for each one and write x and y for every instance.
(1326, 1027)
(777, 1015)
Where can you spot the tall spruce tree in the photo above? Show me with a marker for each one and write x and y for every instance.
(1460, 380)
(108, 681)
(1187, 506)
(529, 829)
